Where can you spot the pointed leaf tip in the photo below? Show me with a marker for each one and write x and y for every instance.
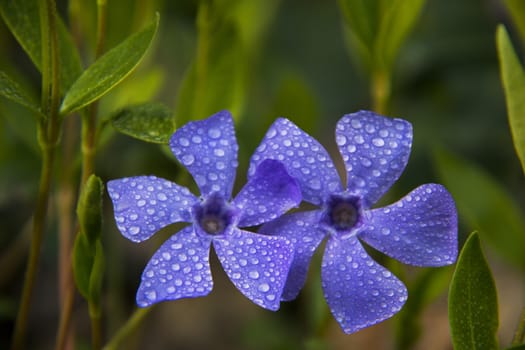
(473, 302)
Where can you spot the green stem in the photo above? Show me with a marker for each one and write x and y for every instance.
(48, 136)
(65, 318)
(129, 328)
(39, 219)
(201, 64)
(519, 335)
(380, 91)
(96, 325)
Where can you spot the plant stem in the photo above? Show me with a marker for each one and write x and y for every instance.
(65, 317)
(519, 335)
(380, 91)
(48, 136)
(96, 329)
(204, 19)
(129, 327)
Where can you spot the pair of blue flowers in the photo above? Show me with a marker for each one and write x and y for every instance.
(287, 167)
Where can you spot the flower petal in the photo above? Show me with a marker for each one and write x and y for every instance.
(179, 269)
(256, 264)
(359, 291)
(375, 151)
(269, 193)
(145, 204)
(421, 229)
(301, 229)
(208, 149)
(305, 159)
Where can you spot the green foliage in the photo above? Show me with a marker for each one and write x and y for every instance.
(109, 70)
(473, 302)
(11, 90)
(378, 28)
(89, 208)
(517, 11)
(513, 78)
(22, 18)
(150, 122)
(485, 206)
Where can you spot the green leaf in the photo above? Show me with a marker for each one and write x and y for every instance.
(11, 90)
(513, 78)
(96, 279)
(517, 11)
(485, 206)
(473, 302)
(109, 70)
(83, 259)
(398, 21)
(150, 122)
(89, 209)
(23, 19)
(378, 28)
(216, 79)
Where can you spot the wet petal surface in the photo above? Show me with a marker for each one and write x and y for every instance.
(180, 268)
(302, 230)
(305, 159)
(420, 229)
(375, 151)
(268, 194)
(256, 264)
(208, 149)
(145, 204)
(359, 291)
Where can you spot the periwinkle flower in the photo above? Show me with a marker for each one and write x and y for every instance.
(256, 264)
(420, 229)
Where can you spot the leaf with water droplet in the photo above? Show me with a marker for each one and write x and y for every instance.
(109, 70)
(150, 122)
(11, 90)
(473, 301)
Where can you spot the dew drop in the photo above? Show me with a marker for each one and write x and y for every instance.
(264, 287)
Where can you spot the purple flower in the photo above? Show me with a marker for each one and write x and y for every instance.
(420, 229)
(256, 264)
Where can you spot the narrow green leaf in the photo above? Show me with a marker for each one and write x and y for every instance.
(83, 259)
(216, 78)
(150, 122)
(22, 18)
(485, 206)
(97, 277)
(11, 90)
(517, 11)
(109, 70)
(473, 301)
(513, 78)
(398, 21)
(89, 209)
(378, 29)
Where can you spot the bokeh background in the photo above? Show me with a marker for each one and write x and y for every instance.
(273, 58)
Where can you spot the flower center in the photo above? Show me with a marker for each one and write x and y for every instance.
(214, 215)
(342, 214)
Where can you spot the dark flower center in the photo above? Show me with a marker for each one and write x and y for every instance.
(214, 215)
(342, 213)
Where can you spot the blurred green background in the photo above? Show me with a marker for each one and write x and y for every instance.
(263, 60)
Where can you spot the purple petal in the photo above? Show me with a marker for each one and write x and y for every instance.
(179, 269)
(421, 229)
(208, 149)
(268, 194)
(301, 229)
(359, 291)
(375, 151)
(145, 204)
(305, 159)
(256, 264)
